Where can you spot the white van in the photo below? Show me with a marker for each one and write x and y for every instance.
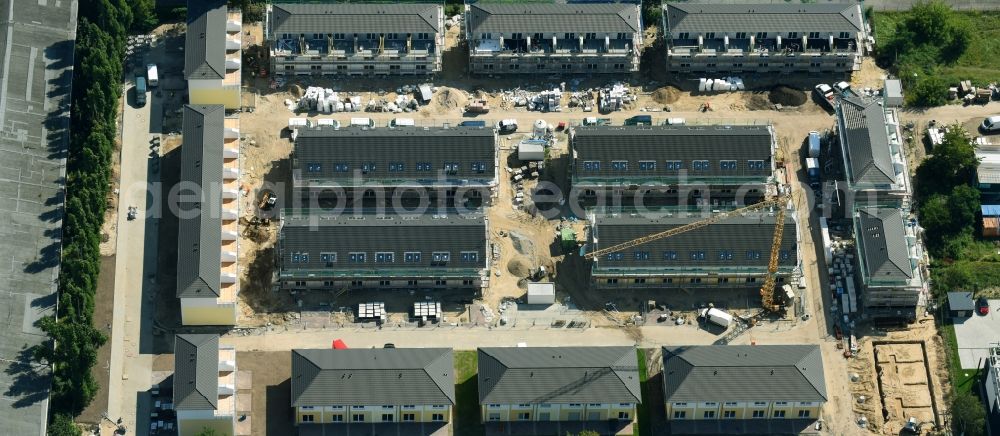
(402, 122)
(364, 122)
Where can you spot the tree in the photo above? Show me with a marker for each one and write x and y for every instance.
(62, 425)
(205, 431)
(928, 90)
(953, 163)
(968, 415)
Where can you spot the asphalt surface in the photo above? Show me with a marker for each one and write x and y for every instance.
(36, 59)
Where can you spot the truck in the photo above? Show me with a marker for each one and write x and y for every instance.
(639, 120)
(478, 107)
(814, 144)
(594, 121)
(825, 93)
(140, 91)
(362, 122)
(717, 317)
(152, 76)
(507, 126)
(812, 171)
(472, 123)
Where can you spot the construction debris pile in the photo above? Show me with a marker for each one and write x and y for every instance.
(402, 103)
(324, 100)
(724, 84)
(583, 99)
(549, 100)
(615, 97)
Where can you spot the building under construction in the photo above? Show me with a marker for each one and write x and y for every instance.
(355, 39)
(714, 164)
(533, 38)
(730, 253)
(888, 260)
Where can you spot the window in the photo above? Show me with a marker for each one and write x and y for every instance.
(641, 255)
(709, 35)
(494, 406)
(647, 165)
(314, 167)
(761, 35)
(623, 416)
(675, 165)
(639, 281)
(514, 66)
(619, 66)
(411, 283)
(357, 283)
(609, 281)
(780, 403)
(753, 254)
(813, 35)
(486, 36)
(524, 405)
(487, 66)
(336, 418)
(616, 256)
(409, 417)
(387, 417)
(358, 417)
(575, 404)
(470, 256)
(779, 413)
(845, 35)
(494, 417)
(423, 166)
(670, 255)
(792, 35)
(699, 165)
(384, 257)
(328, 258)
(728, 413)
(697, 255)
(683, 35)
(621, 165)
(341, 167)
(356, 257)
(396, 166)
(730, 403)
(680, 404)
(540, 66)
(709, 414)
(592, 165)
(679, 414)
(758, 413)
(591, 66)
(440, 257)
(421, 67)
(784, 254)
(411, 256)
(367, 167)
(567, 66)
(759, 403)
(451, 167)
(369, 67)
(803, 414)
(741, 35)
(437, 417)
(727, 164)
(569, 36)
(755, 164)
(308, 418)
(479, 167)
(725, 255)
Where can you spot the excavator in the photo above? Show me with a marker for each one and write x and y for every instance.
(767, 290)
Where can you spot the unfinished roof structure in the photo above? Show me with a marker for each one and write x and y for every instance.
(558, 375)
(871, 148)
(736, 246)
(199, 238)
(318, 246)
(378, 376)
(405, 156)
(720, 373)
(626, 155)
(888, 259)
(196, 372)
(205, 40)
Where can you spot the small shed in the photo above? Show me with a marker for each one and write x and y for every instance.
(541, 293)
(991, 220)
(960, 304)
(531, 150)
(893, 91)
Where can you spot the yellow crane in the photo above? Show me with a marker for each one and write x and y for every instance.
(767, 290)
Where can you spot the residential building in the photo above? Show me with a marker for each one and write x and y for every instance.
(742, 389)
(208, 217)
(212, 53)
(358, 163)
(731, 253)
(888, 260)
(351, 251)
(375, 385)
(989, 390)
(204, 385)
(692, 163)
(356, 39)
(874, 160)
(764, 38)
(527, 38)
(552, 384)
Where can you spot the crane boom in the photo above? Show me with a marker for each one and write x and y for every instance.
(692, 226)
(767, 290)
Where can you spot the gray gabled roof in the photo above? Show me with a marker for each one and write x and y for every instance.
(396, 376)
(354, 18)
(961, 301)
(199, 237)
(771, 18)
(720, 373)
(558, 375)
(531, 18)
(398, 234)
(196, 372)
(205, 40)
(867, 142)
(661, 143)
(354, 146)
(737, 236)
(882, 241)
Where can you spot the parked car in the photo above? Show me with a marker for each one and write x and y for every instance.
(991, 124)
(982, 306)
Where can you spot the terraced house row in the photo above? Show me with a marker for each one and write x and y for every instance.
(523, 390)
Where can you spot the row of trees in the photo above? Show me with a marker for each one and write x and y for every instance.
(97, 72)
(947, 202)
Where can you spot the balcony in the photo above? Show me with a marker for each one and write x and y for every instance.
(227, 365)
(229, 235)
(228, 278)
(230, 174)
(228, 256)
(232, 64)
(231, 152)
(229, 214)
(232, 44)
(231, 132)
(233, 26)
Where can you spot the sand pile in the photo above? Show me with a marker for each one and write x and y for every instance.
(447, 99)
(518, 268)
(786, 96)
(666, 95)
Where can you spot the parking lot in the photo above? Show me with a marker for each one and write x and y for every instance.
(975, 334)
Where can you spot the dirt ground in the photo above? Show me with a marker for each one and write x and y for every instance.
(899, 375)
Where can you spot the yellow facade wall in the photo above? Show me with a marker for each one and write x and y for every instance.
(557, 412)
(744, 410)
(421, 413)
(223, 426)
(208, 315)
(226, 96)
